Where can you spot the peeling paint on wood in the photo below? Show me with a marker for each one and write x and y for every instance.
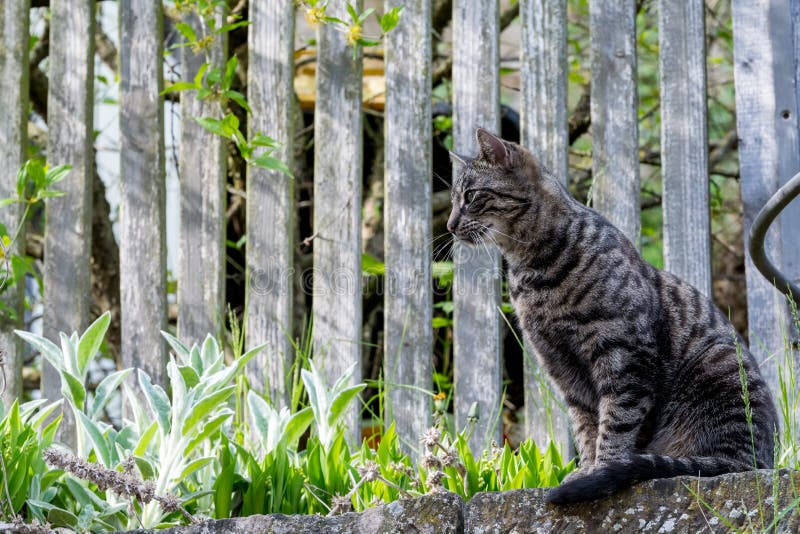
(408, 312)
(270, 199)
(201, 258)
(142, 252)
(615, 124)
(543, 73)
(13, 145)
(337, 206)
(684, 142)
(68, 227)
(476, 286)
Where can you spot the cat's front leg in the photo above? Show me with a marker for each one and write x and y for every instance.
(622, 413)
(584, 429)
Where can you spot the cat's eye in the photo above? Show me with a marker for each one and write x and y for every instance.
(469, 196)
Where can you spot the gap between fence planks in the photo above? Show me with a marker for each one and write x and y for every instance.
(13, 151)
(543, 117)
(142, 252)
(477, 278)
(270, 199)
(338, 134)
(408, 330)
(201, 253)
(68, 227)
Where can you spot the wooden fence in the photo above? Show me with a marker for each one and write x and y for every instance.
(767, 78)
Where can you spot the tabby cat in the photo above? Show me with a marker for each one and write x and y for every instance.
(647, 365)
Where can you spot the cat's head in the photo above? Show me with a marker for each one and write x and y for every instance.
(493, 192)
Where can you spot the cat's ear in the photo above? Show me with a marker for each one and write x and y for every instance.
(457, 160)
(493, 149)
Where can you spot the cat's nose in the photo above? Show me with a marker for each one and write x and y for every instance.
(452, 222)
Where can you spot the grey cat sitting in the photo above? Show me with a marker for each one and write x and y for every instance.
(647, 365)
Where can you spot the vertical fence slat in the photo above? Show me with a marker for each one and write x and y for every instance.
(764, 148)
(476, 289)
(13, 140)
(337, 205)
(142, 200)
(201, 267)
(68, 228)
(615, 154)
(543, 72)
(684, 142)
(407, 249)
(270, 197)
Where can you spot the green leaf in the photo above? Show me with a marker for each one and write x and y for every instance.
(198, 78)
(158, 401)
(264, 140)
(45, 347)
(146, 469)
(145, 440)
(194, 466)
(230, 27)
(56, 174)
(73, 389)
(104, 390)
(342, 400)
(180, 86)
(371, 265)
(210, 428)
(265, 161)
(98, 440)
(352, 12)
(91, 340)
(204, 407)
(238, 97)
(390, 19)
(180, 350)
(190, 377)
(297, 426)
(58, 517)
(187, 31)
(212, 125)
(364, 15)
(230, 125)
(230, 72)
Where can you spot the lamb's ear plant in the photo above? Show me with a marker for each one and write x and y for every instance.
(180, 447)
(72, 362)
(329, 405)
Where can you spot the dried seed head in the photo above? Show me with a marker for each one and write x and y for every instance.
(430, 439)
(370, 471)
(340, 504)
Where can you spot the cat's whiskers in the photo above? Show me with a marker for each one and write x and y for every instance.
(506, 235)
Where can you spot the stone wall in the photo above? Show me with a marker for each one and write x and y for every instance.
(746, 501)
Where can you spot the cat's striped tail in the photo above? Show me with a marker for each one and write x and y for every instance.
(622, 474)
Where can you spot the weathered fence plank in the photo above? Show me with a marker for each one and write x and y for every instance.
(68, 219)
(13, 147)
(543, 73)
(476, 286)
(201, 261)
(408, 331)
(142, 253)
(615, 127)
(270, 197)
(684, 142)
(337, 205)
(768, 155)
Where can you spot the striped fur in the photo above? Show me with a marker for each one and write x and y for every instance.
(647, 365)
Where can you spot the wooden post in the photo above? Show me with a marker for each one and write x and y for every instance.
(68, 227)
(615, 125)
(766, 122)
(13, 148)
(407, 240)
(142, 254)
(201, 262)
(270, 198)
(476, 287)
(684, 142)
(543, 72)
(337, 206)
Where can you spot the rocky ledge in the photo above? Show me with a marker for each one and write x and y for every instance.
(754, 502)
